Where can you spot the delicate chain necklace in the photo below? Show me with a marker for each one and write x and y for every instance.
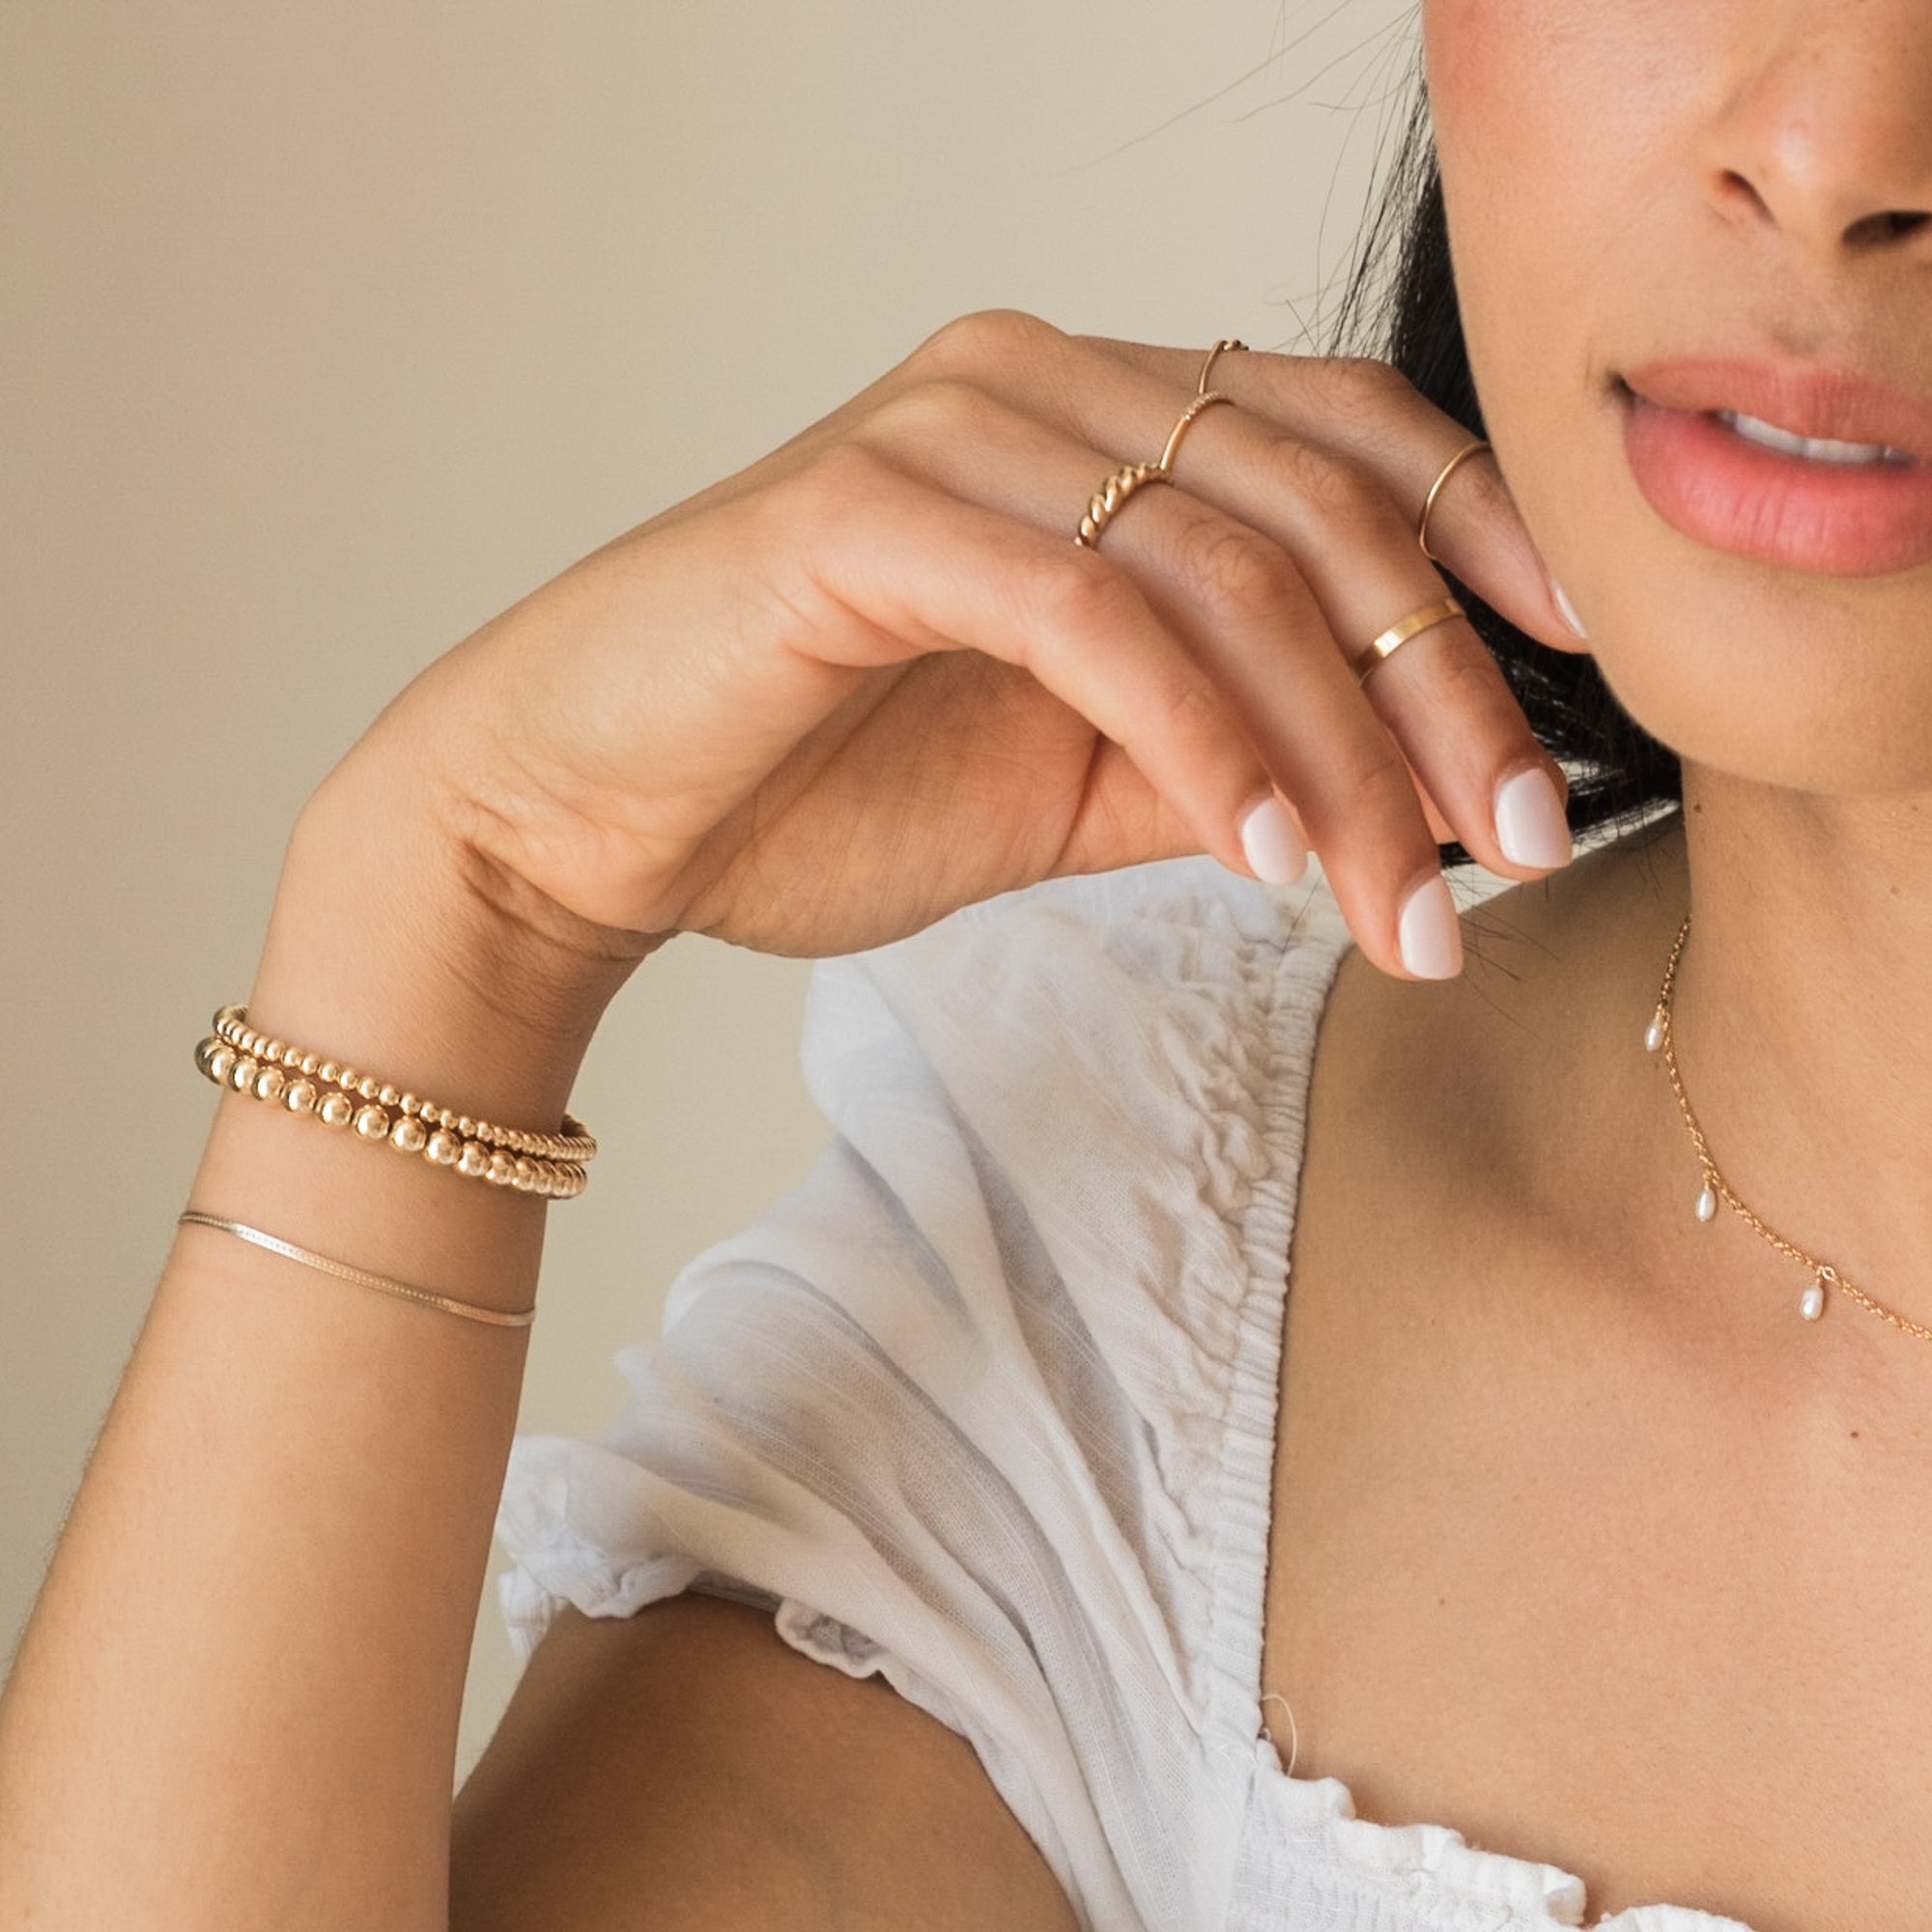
(1824, 1276)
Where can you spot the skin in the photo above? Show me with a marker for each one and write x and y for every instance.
(1582, 1544)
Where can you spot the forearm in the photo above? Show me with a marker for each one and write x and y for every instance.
(237, 1701)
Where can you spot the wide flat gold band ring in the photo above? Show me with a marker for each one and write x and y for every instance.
(1107, 499)
(1199, 405)
(1214, 355)
(1443, 476)
(1381, 649)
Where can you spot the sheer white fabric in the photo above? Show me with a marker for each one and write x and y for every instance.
(987, 1405)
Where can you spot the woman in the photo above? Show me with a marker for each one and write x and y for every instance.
(1559, 1529)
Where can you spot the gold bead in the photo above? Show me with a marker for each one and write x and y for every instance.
(310, 1062)
(389, 1096)
(328, 1072)
(409, 1103)
(335, 1111)
(524, 1180)
(465, 1127)
(241, 1076)
(444, 1148)
(269, 1082)
(368, 1085)
(502, 1169)
(298, 1096)
(205, 1053)
(474, 1159)
(346, 1078)
(372, 1123)
(407, 1136)
(276, 1049)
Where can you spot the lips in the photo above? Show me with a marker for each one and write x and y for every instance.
(1722, 489)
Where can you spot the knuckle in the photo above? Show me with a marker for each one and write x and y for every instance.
(1334, 493)
(1077, 594)
(987, 339)
(1463, 674)
(1236, 571)
(842, 481)
(1365, 387)
(935, 409)
(1371, 796)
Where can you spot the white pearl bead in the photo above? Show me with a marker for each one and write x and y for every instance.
(1812, 1303)
(1653, 1037)
(1707, 1204)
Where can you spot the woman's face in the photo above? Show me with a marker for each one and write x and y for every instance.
(1634, 184)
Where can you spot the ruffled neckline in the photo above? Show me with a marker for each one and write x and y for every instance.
(1468, 1882)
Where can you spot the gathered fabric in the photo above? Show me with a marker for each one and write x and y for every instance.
(986, 1406)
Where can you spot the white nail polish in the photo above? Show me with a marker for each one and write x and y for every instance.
(1429, 932)
(1531, 826)
(1271, 845)
(1568, 608)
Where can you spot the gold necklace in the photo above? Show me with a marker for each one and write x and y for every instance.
(1824, 1276)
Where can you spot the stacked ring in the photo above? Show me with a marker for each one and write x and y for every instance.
(1220, 348)
(1379, 650)
(1107, 499)
(1443, 476)
(1202, 403)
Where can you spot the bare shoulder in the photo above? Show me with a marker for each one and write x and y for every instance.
(685, 1770)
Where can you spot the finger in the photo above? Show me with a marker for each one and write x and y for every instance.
(1251, 620)
(924, 571)
(1460, 728)
(1369, 411)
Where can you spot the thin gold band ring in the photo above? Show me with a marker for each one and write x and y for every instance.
(1443, 476)
(1213, 356)
(1202, 403)
(1379, 650)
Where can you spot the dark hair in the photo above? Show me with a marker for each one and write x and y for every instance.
(1400, 302)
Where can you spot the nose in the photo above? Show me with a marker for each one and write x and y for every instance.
(1825, 135)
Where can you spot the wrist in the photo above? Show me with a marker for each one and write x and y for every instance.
(395, 946)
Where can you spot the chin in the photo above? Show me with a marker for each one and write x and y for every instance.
(1823, 700)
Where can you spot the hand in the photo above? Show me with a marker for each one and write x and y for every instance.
(872, 678)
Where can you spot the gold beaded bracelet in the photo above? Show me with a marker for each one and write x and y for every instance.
(237, 1057)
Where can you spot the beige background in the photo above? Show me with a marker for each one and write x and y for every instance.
(328, 332)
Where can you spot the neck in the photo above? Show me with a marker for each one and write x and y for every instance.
(1803, 1014)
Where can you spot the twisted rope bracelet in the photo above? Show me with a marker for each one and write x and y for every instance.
(237, 1057)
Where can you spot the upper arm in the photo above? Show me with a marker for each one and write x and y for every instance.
(685, 1770)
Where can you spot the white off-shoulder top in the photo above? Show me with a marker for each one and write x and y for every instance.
(987, 1405)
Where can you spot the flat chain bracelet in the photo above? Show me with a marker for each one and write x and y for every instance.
(339, 1095)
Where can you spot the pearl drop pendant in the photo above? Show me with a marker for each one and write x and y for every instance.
(1653, 1037)
(1812, 1303)
(1707, 1204)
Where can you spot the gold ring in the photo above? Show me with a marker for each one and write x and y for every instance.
(1205, 401)
(1447, 470)
(1382, 648)
(1214, 354)
(1111, 495)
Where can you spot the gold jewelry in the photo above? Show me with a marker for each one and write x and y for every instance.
(496, 1317)
(1111, 495)
(551, 1165)
(1824, 1276)
(1202, 402)
(1443, 476)
(1379, 650)
(1213, 356)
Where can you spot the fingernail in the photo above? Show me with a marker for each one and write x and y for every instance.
(1271, 845)
(1429, 932)
(1568, 608)
(1531, 826)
